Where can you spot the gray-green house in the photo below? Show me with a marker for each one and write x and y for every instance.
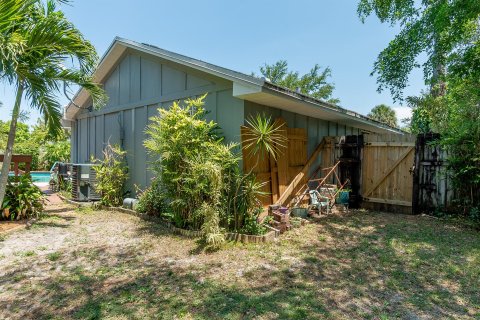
(140, 78)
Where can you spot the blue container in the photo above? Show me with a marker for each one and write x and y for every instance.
(343, 197)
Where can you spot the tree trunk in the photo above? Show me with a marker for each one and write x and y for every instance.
(438, 86)
(7, 159)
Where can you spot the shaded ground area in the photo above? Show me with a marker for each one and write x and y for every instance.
(85, 264)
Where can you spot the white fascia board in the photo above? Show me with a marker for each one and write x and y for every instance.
(241, 90)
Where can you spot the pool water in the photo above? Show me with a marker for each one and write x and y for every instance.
(40, 176)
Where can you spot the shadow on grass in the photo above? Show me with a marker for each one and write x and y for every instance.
(162, 291)
(157, 227)
(354, 266)
(402, 265)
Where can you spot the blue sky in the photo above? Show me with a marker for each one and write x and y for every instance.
(242, 35)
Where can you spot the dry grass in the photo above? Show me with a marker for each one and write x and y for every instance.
(91, 265)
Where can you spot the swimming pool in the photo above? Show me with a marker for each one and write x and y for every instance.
(38, 176)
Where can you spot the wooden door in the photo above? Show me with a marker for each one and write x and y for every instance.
(279, 172)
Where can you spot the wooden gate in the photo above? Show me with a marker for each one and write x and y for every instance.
(386, 172)
(432, 187)
(280, 172)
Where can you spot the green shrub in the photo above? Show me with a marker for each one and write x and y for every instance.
(111, 176)
(152, 201)
(251, 224)
(54, 151)
(22, 199)
(198, 174)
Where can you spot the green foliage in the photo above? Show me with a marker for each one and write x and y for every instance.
(246, 201)
(36, 141)
(22, 199)
(111, 175)
(24, 143)
(35, 47)
(264, 137)
(384, 114)
(445, 31)
(36, 40)
(252, 226)
(461, 137)
(198, 174)
(152, 201)
(314, 83)
(456, 116)
(53, 151)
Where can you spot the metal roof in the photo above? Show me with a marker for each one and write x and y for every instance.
(248, 88)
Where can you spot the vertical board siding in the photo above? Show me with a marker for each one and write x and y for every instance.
(317, 129)
(133, 79)
(74, 142)
(129, 144)
(230, 115)
(211, 107)
(196, 82)
(173, 80)
(289, 117)
(139, 175)
(152, 110)
(99, 138)
(112, 128)
(138, 79)
(92, 135)
(332, 129)
(124, 81)
(312, 135)
(112, 88)
(151, 79)
(83, 141)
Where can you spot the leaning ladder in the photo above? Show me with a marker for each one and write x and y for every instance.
(331, 171)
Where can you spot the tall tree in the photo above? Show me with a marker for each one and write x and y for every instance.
(314, 83)
(448, 32)
(445, 31)
(384, 114)
(36, 44)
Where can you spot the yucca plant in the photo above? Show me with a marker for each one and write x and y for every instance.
(264, 137)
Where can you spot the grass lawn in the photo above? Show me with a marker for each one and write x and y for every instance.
(84, 264)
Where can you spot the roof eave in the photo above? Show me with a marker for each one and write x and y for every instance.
(282, 98)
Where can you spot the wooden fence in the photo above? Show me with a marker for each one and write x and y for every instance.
(386, 172)
(18, 159)
(390, 172)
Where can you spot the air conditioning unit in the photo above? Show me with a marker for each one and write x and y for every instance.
(84, 179)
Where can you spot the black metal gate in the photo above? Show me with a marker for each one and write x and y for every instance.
(432, 189)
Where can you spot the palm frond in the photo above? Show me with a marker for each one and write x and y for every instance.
(35, 45)
(264, 135)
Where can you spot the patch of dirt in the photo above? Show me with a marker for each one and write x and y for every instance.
(102, 264)
(9, 226)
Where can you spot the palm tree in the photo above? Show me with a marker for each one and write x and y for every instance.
(36, 41)
(385, 114)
